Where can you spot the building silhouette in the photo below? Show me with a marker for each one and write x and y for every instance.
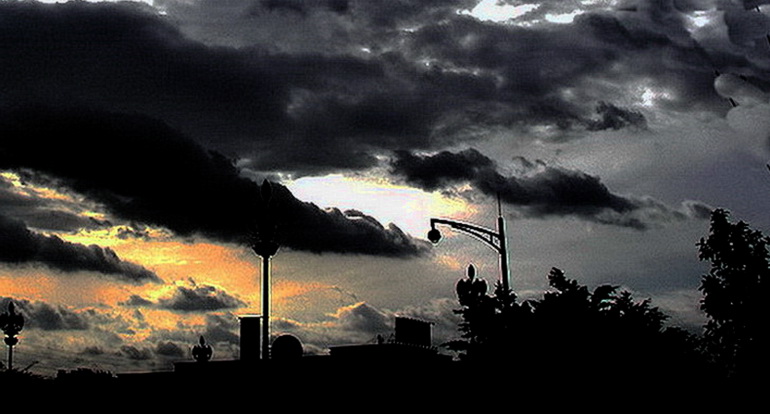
(409, 347)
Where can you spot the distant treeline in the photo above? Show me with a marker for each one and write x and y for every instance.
(607, 337)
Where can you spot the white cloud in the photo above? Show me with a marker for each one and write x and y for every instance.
(492, 10)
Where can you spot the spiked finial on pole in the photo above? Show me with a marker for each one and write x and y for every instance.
(11, 323)
(202, 352)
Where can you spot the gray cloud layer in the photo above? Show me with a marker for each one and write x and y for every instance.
(196, 298)
(199, 299)
(353, 81)
(336, 106)
(44, 316)
(19, 245)
(362, 317)
(544, 191)
(42, 213)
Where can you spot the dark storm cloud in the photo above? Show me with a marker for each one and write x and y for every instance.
(750, 4)
(302, 7)
(19, 245)
(310, 112)
(612, 117)
(746, 28)
(196, 298)
(557, 7)
(551, 190)
(412, 75)
(122, 57)
(393, 14)
(542, 191)
(441, 170)
(555, 74)
(44, 316)
(160, 177)
(42, 213)
(199, 299)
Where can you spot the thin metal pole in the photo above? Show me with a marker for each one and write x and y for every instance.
(504, 276)
(265, 308)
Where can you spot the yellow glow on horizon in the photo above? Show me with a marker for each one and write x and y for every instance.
(103, 238)
(110, 236)
(51, 194)
(347, 308)
(161, 319)
(450, 261)
(38, 283)
(283, 289)
(230, 267)
(29, 190)
(94, 214)
(12, 178)
(226, 267)
(407, 207)
(26, 283)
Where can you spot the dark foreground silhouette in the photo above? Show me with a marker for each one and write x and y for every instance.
(573, 341)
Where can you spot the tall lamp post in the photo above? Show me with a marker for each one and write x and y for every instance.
(492, 238)
(11, 323)
(265, 247)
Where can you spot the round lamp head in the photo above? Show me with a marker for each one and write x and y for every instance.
(434, 235)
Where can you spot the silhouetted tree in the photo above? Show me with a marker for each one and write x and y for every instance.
(572, 332)
(488, 321)
(477, 311)
(735, 292)
(599, 329)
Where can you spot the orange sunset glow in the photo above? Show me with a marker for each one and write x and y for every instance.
(195, 187)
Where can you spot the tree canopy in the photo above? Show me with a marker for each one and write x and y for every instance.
(606, 333)
(735, 291)
(572, 332)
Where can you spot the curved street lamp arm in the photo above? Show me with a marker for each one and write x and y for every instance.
(489, 237)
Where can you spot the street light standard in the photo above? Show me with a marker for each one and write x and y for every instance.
(11, 323)
(265, 247)
(493, 239)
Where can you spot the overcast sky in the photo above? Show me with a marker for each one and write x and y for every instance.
(134, 137)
